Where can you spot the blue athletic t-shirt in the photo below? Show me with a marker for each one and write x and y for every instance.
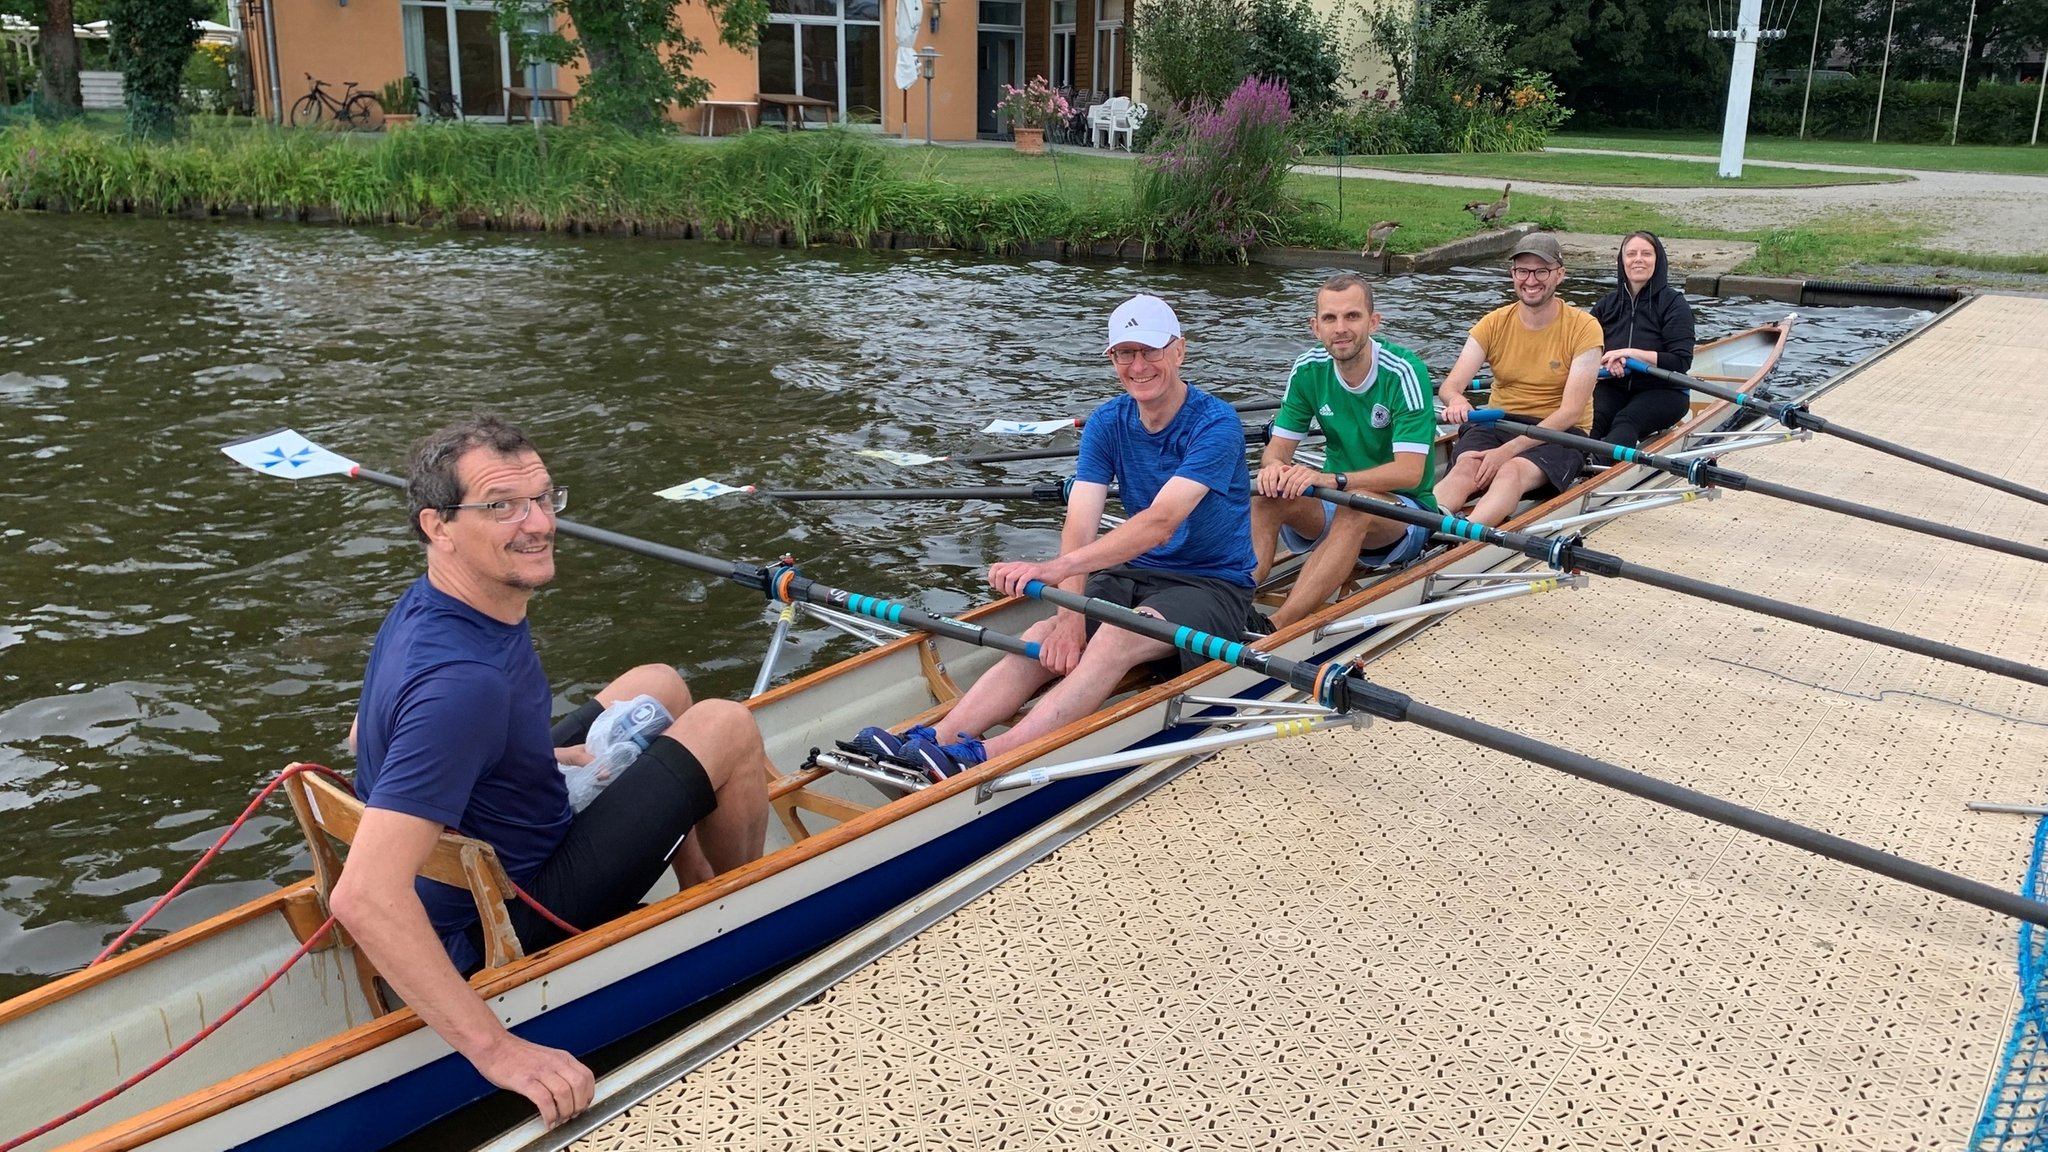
(1203, 442)
(453, 728)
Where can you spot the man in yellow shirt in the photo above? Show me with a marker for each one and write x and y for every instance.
(1545, 356)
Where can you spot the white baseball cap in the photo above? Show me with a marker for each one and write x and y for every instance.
(1142, 320)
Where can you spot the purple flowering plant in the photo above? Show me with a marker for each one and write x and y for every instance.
(1214, 188)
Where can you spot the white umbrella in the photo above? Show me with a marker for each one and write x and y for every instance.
(909, 14)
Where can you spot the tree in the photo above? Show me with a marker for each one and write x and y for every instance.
(1437, 51)
(1646, 63)
(150, 41)
(1192, 49)
(638, 54)
(1288, 42)
(57, 78)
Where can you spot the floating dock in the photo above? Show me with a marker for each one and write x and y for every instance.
(1383, 939)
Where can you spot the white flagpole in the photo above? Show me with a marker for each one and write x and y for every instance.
(1969, 30)
(1882, 70)
(1812, 54)
(1735, 128)
(2040, 89)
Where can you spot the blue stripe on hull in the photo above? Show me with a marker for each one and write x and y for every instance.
(393, 1110)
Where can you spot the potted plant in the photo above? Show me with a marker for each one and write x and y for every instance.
(401, 100)
(1029, 109)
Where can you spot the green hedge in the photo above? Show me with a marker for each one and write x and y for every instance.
(1915, 113)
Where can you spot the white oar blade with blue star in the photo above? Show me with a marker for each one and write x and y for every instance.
(286, 453)
(1029, 427)
(902, 459)
(702, 489)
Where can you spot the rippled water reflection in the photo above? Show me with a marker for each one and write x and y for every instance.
(174, 629)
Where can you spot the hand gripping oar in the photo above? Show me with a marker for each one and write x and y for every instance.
(1707, 473)
(286, 453)
(1344, 688)
(1796, 416)
(1568, 554)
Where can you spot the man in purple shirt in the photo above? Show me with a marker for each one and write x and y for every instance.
(452, 732)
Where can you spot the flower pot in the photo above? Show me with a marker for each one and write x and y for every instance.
(396, 121)
(1031, 141)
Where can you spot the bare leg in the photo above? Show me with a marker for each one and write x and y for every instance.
(1000, 691)
(1515, 477)
(1302, 514)
(722, 736)
(1108, 656)
(1324, 571)
(660, 681)
(1457, 485)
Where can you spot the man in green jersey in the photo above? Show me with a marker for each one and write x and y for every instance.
(1372, 401)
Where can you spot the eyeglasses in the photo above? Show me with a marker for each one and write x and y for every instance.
(1123, 356)
(1521, 273)
(516, 509)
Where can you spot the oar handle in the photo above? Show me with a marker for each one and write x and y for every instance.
(779, 581)
(1340, 687)
(1051, 493)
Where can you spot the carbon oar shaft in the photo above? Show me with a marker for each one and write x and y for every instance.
(1253, 434)
(1797, 416)
(777, 582)
(1051, 493)
(1340, 688)
(1566, 554)
(1709, 474)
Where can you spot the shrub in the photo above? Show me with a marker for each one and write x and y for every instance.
(1192, 49)
(1286, 41)
(1914, 113)
(206, 86)
(1215, 189)
(151, 41)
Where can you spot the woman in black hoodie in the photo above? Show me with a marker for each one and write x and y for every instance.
(1645, 319)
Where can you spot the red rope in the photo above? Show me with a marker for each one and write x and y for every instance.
(174, 1053)
(162, 901)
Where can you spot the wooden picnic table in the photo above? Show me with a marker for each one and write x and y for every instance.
(550, 98)
(792, 106)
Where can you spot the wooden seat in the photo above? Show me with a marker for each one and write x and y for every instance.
(328, 815)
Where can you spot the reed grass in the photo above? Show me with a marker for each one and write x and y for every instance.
(813, 186)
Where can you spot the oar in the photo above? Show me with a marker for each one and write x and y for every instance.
(1343, 688)
(1796, 416)
(1255, 435)
(1567, 554)
(1053, 492)
(286, 453)
(1707, 473)
(1046, 427)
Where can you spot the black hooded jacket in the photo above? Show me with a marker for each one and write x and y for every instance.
(1657, 319)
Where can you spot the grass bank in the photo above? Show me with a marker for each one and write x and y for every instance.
(1606, 171)
(2014, 160)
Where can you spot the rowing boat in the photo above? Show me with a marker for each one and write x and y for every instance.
(313, 1064)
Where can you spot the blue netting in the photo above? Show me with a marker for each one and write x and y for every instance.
(2014, 1118)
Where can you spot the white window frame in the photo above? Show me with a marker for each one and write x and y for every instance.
(416, 52)
(1108, 35)
(839, 23)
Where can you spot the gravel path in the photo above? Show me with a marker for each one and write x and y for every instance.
(1970, 211)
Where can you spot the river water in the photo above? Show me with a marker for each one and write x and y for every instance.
(174, 629)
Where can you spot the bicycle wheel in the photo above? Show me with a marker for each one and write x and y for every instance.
(308, 111)
(362, 112)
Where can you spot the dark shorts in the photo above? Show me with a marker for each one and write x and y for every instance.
(1560, 465)
(618, 846)
(1217, 607)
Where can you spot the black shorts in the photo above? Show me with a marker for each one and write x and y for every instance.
(618, 846)
(1560, 465)
(1217, 607)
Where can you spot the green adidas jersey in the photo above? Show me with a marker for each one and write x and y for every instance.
(1392, 412)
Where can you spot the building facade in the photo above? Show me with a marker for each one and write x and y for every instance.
(840, 51)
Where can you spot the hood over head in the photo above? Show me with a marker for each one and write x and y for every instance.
(1659, 274)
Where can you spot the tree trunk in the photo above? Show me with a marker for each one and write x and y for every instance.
(57, 84)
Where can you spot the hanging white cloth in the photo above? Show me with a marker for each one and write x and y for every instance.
(909, 14)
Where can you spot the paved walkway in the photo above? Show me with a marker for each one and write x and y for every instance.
(1386, 939)
(1970, 211)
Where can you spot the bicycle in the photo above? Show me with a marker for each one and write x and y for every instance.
(435, 104)
(353, 110)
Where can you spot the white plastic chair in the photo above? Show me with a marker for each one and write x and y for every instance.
(1107, 119)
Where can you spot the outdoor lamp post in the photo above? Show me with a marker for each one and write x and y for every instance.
(936, 5)
(927, 63)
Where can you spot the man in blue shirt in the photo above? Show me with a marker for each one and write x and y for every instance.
(452, 732)
(1185, 553)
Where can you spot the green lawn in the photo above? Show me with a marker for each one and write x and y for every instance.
(2018, 159)
(1605, 171)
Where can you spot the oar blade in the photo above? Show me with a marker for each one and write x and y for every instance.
(1027, 427)
(284, 452)
(900, 459)
(702, 489)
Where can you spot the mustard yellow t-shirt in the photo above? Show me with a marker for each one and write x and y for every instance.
(1530, 364)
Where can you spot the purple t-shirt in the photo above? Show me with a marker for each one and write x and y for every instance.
(1203, 442)
(453, 728)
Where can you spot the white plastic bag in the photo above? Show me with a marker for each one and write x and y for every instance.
(616, 739)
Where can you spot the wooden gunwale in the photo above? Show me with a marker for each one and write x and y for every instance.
(276, 1074)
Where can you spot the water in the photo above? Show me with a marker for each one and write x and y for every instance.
(174, 629)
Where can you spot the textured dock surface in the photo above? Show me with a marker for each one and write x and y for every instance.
(1386, 939)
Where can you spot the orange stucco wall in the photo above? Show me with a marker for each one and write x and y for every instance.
(360, 42)
(364, 41)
